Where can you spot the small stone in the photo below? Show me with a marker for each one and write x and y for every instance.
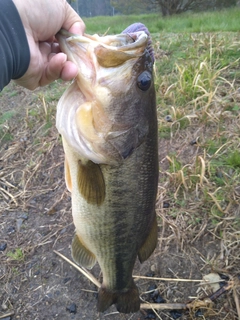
(213, 279)
(72, 308)
(150, 315)
(199, 313)
(49, 296)
(168, 118)
(175, 314)
(224, 276)
(149, 274)
(152, 288)
(66, 280)
(194, 141)
(158, 299)
(36, 273)
(3, 246)
(63, 230)
(153, 269)
(57, 293)
(4, 306)
(10, 230)
(19, 223)
(24, 216)
(166, 204)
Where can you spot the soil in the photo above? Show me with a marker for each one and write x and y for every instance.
(36, 284)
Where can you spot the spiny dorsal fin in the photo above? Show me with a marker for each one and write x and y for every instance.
(91, 182)
(81, 254)
(150, 243)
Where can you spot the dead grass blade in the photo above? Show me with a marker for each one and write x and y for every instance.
(236, 300)
(164, 306)
(6, 315)
(167, 279)
(84, 272)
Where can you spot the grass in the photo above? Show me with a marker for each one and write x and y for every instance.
(198, 102)
(16, 255)
(222, 21)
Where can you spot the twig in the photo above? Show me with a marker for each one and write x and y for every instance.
(168, 279)
(236, 299)
(164, 306)
(221, 290)
(9, 314)
(84, 272)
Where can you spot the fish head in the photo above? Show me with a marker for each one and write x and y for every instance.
(107, 106)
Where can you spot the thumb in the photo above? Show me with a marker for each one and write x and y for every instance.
(73, 23)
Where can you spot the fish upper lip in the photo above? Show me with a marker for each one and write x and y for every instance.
(128, 42)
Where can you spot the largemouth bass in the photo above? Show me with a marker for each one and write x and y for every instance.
(107, 119)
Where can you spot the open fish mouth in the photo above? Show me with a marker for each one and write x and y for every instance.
(94, 55)
(132, 44)
(93, 120)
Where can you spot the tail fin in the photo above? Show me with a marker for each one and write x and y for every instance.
(126, 301)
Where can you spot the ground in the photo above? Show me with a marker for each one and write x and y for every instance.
(36, 221)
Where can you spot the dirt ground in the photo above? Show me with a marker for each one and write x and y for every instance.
(35, 283)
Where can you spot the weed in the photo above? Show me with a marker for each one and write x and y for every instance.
(233, 159)
(16, 255)
(7, 116)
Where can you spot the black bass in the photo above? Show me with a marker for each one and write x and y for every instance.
(108, 122)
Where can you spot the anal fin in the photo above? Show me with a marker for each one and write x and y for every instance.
(81, 254)
(91, 182)
(150, 243)
(126, 301)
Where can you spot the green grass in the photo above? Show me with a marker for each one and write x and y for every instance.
(6, 116)
(16, 255)
(224, 20)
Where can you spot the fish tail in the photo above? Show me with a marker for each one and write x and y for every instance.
(126, 301)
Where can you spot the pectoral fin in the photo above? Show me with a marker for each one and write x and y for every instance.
(81, 254)
(150, 244)
(67, 175)
(91, 182)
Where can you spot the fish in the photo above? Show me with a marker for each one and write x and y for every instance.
(108, 123)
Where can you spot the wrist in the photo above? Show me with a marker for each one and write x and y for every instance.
(16, 53)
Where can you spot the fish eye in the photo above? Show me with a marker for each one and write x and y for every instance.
(144, 80)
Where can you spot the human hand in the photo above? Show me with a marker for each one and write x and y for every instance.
(42, 19)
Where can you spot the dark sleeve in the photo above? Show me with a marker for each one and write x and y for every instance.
(14, 49)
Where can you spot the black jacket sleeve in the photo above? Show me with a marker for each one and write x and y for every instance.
(14, 49)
